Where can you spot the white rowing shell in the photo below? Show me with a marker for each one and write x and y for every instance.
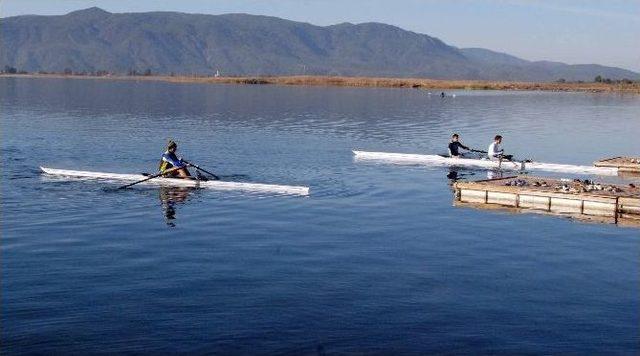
(211, 184)
(407, 158)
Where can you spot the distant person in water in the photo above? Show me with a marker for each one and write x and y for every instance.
(455, 145)
(170, 160)
(442, 95)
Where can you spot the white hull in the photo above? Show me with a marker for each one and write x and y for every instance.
(176, 182)
(435, 160)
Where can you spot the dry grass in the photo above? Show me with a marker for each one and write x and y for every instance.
(417, 83)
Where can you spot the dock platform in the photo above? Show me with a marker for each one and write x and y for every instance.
(618, 204)
(623, 164)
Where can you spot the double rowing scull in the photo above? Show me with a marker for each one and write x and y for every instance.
(177, 182)
(436, 160)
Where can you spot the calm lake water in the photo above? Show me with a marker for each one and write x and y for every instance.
(375, 260)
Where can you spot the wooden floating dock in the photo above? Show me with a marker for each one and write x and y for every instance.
(620, 204)
(624, 164)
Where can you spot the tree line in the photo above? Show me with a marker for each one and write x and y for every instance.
(68, 71)
(98, 73)
(601, 79)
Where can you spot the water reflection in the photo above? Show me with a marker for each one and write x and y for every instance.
(170, 198)
(454, 174)
(392, 223)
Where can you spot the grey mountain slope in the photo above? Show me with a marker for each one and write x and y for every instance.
(487, 56)
(241, 44)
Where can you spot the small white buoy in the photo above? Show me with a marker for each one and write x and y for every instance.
(453, 95)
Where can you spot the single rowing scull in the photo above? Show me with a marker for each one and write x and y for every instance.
(178, 182)
(436, 160)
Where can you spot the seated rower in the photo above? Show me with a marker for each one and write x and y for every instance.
(495, 151)
(455, 145)
(170, 160)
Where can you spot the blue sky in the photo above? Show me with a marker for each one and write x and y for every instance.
(573, 31)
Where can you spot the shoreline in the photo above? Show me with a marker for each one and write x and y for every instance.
(366, 82)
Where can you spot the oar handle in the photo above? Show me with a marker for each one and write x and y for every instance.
(479, 151)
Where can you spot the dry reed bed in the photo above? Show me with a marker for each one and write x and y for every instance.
(417, 83)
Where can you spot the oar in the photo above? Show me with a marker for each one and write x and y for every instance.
(478, 151)
(501, 159)
(202, 169)
(151, 177)
(509, 160)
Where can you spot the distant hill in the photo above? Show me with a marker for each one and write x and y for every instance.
(240, 44)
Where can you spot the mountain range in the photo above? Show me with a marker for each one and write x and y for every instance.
(250, 45)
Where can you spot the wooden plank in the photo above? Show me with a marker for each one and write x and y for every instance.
(599, 208)
(473, 196)
(501, 198)
(629, 207)
(532, 201)
(566, 206)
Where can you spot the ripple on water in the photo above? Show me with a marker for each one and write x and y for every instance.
(376, 253)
